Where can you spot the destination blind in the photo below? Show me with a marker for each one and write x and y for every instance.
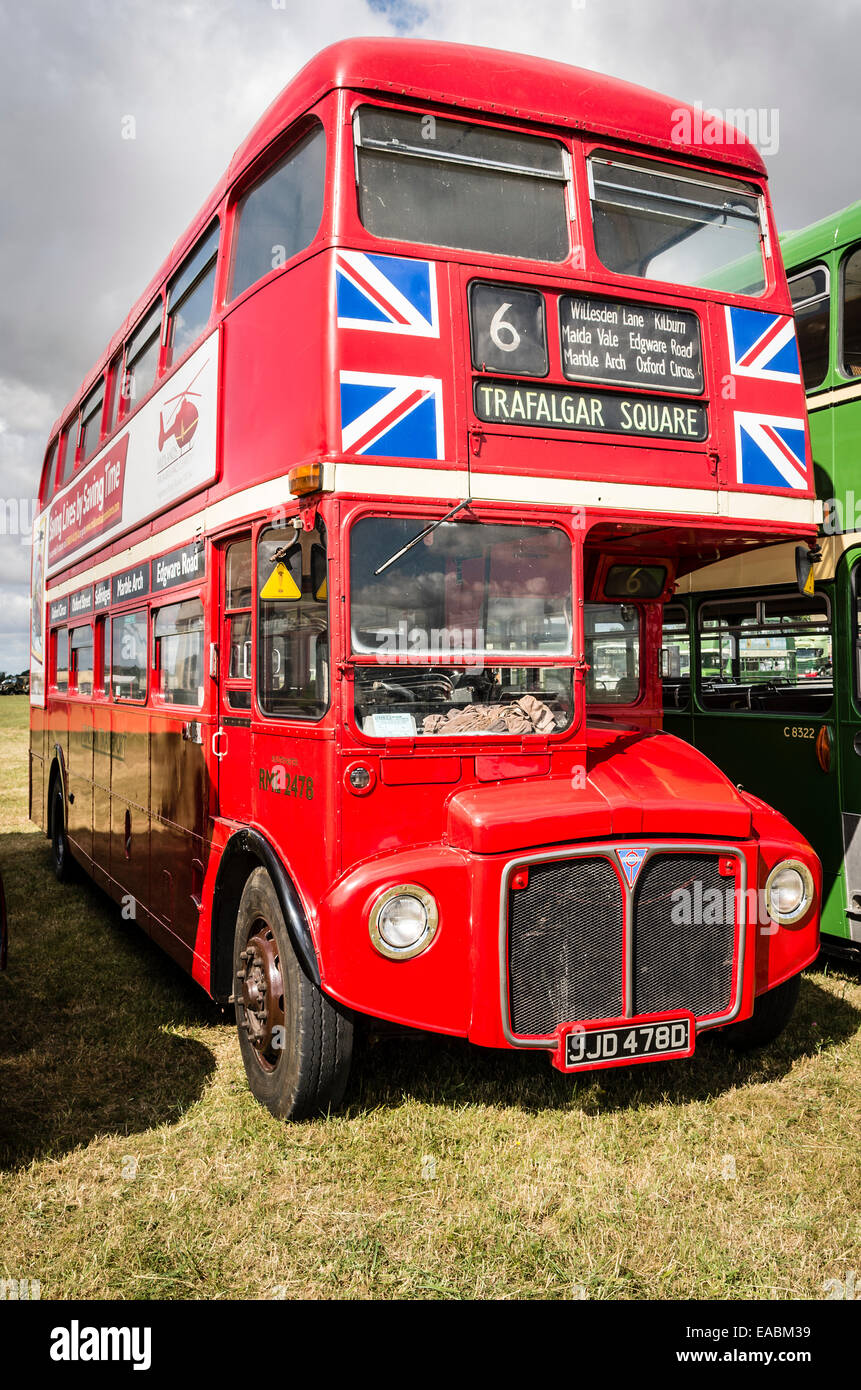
(555, 407)
(630, 344)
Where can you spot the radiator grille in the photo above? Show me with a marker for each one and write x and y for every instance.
(684, 965)
(566, 955)
(565, 945)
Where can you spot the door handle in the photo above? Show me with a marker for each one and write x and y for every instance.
(218, 752)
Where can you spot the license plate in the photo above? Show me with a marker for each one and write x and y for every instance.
(584, 1046)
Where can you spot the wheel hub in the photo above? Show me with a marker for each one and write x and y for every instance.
(263, 994)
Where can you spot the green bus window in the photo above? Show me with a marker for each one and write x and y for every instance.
(292, 625)
(612, 643)
(772, 654)
(809, 292)
(676, 658)
(850, 347)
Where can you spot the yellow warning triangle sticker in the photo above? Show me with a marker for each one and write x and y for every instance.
(280, 585)
(322, 593)
(809, 582)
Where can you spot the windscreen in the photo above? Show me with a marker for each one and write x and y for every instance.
(438, 619)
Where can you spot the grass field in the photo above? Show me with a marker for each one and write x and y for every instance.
(135, 1164)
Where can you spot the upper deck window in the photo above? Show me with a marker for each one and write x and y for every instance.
(142, 354)
(91, 425)
(657, 222)
(850, 347)
(189, 295)
(280, 215)
(810, 300)
(449, 183)
(70, 447)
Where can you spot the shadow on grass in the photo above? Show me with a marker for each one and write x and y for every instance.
(88, 1009)
(391, 1070)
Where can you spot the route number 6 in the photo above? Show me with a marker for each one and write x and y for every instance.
(498, 327)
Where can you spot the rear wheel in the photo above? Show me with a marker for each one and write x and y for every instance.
(60, 856)
(771, 1013)
(295, 1043)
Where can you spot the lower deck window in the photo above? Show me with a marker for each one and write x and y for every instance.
(81, 673)
(129, 656)
(292, 623)
(178, 645)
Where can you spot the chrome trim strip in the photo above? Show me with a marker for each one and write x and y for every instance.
(607, 849)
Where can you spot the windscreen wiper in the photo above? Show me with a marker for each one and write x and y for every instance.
(420, 537)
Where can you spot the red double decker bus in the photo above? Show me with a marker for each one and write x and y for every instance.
(350, 561)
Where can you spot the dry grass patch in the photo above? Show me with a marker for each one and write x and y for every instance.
(135, 1164)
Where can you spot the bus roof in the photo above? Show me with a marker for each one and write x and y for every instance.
(458, 75)
(825, 235)
(502, 84)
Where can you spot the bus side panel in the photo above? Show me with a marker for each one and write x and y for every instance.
(79, 775)
(130, 802)
(294, 805)
(38, 790)
(274, 377)
(102, 787)
(180, 804)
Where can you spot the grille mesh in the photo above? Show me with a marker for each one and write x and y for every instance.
(685, 965)
(566, 951)
(565, 945)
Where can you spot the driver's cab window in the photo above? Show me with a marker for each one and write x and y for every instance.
(612, 643)
(293, 622)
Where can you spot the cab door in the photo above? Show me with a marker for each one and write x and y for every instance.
(842, 916)
(232, 740)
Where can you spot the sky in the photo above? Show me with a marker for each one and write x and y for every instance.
(87, 214)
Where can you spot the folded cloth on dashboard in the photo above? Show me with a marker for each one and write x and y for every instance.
(527, 715)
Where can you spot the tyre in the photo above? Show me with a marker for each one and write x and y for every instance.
(61, 859)
(296, 1044)
(771, 1013)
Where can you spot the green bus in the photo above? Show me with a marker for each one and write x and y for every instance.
(764, 678)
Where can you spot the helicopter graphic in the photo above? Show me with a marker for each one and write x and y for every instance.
(183, 423)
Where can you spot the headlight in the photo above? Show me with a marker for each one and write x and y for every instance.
(403, 921)
(788, 891)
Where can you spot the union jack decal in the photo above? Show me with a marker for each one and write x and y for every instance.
(386, 294)
(631, 860)
(769, 428)
(762, 345)
(391, 416)
(770, 450)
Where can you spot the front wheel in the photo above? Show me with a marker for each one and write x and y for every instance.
(296, 1044)
(771, 1013)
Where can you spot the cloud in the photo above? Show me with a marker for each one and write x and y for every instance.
(88, 215)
